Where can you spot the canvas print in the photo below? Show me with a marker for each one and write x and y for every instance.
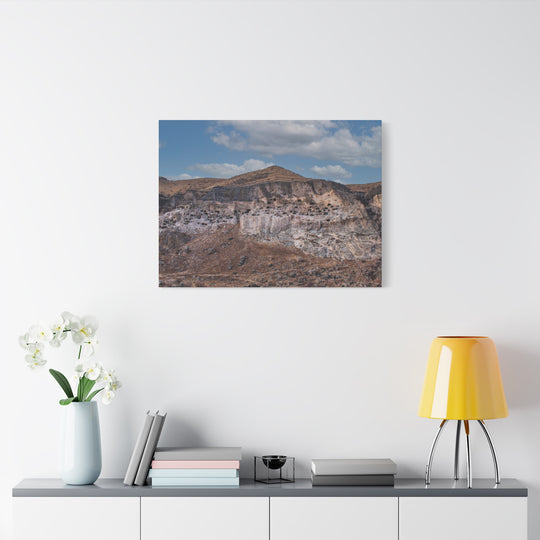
(270, 203)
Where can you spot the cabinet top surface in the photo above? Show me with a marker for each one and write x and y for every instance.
(404, 487)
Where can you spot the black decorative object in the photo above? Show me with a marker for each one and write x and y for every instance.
(274, 469)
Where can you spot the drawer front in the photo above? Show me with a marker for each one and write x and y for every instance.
(80, 518)
(204, 518)
(467, 518)
(334, 518)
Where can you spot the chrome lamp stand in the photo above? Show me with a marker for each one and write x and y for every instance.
(456, 453)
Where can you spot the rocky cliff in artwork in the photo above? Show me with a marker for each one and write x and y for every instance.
(270, 227)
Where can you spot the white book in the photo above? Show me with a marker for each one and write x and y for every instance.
(193, 473)
(330, 467)
(151, 443)
(178, 453)
(194, 482)
(138, 450)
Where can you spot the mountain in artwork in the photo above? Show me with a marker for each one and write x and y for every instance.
(269, 228)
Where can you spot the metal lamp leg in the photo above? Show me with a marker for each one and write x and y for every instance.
(492, 448)
(469, 471)
(432, 451)
(456, 452)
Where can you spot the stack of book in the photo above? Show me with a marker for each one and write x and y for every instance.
(175, 467)
(353, 472)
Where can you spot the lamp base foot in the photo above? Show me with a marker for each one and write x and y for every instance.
(456, 452)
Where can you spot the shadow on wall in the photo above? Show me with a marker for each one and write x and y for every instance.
(177, 431)
(386, 187)
(520, 370)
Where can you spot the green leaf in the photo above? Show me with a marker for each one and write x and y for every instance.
(87, 387)
(80, 388)
(62, 381)
(67, 401)
(94, 394)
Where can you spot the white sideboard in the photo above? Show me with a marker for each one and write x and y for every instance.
(48, 509)
(450, 518)
(80, 518)
(201, 518)
(325, 518)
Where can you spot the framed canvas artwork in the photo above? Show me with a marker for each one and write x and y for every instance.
(270, 203)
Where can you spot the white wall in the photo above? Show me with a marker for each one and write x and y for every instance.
(310, 373)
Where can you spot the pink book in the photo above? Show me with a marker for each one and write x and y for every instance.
(232, 464)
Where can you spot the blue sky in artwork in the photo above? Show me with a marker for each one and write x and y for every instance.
(344, 151)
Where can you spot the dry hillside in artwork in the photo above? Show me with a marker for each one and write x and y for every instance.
(269, 228)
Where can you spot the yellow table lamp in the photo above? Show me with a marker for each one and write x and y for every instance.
(463, 382)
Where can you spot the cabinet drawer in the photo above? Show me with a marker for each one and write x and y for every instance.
(468, 518)
(80, 518)
(334, 518)
(204, 518)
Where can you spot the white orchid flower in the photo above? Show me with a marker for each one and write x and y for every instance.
(57, 339)
(115, 384)
(84, 329)
(24, 341)
(79, 368)
(35, 356)
(89, 347)
(75, 326)
(90, 325)
(35, 350)
(111, 380)
(68, 318)
(105, 378)
(58, 325)
(107, 396)
(34, 362)
(79, 372)
(73, 323)
(57, 328)
(93, 372)
(40, 332)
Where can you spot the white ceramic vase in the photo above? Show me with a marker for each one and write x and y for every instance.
(80, 451)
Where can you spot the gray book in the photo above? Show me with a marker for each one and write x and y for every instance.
(138, 450)
(353, 480)
(178, 453)
(149, 449)
(328, 467)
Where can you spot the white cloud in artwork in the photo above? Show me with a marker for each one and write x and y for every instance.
(183, 176)
(226, 170)
(326, 140)
(334, 172)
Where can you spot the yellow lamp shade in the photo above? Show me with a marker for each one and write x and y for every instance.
(463, 380)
